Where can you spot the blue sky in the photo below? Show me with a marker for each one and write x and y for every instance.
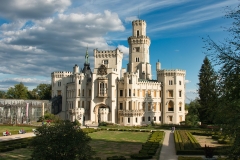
(38, 37)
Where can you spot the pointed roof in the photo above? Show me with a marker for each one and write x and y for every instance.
(86, 57)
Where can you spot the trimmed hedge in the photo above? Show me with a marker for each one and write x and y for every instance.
(189, 158)
(116, 158)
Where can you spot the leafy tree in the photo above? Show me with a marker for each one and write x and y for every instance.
(19, 91)
(227, 56)
(192, 118)
(207, 92)
(2, 94)
(61, 141)
(49, 116)
(43, 91)
(32, 94)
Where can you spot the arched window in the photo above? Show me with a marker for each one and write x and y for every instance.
(137, 33)
(170, 106)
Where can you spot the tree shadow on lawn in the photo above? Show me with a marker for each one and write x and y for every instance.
(106, 149)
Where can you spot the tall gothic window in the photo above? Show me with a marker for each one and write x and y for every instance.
(170, 106)
(103, 88)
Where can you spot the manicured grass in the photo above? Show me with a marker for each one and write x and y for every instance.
(104, 143)
(120, 136)
(20, 154)
(15, 129)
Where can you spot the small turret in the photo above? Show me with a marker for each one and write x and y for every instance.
(158, 65)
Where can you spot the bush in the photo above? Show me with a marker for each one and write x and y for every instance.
(140, 156)
(189, 158)
(116, 158)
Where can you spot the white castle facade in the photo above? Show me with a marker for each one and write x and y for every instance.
(113, 94)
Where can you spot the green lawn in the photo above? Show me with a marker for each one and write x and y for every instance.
(104, 143)
(14, 129)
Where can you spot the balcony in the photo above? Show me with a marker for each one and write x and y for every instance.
(130, 113)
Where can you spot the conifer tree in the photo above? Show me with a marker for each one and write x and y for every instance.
(207, 92)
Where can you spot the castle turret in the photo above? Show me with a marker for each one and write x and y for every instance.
(139, 50)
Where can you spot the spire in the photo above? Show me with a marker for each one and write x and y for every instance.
(86, 57)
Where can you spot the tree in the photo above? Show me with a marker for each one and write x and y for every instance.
(2, 94)
(61, 141)
(43, 91)
(207, 92)
(227, 56)
(192, 118)
(19, 91)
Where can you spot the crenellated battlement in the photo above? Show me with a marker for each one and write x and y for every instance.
(139, 23)
(59, 74)
(107, 53)
(170, 72)
(139, 40)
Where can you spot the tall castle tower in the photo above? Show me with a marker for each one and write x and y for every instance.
(139, 50)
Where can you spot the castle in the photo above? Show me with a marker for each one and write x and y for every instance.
(113, 94)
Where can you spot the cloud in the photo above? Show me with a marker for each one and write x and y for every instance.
(124, 49)
(50, 44)
(176, 50)
(130, 19)
(187, 81)
(31, 9)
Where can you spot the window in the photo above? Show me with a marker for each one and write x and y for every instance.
(79, 104)
(137, 59)
(136, 120)
(137, 49)
(143, 106)
(122, 119)
(170, 106)
(79, 91)
(59, 92)
(79, 82)
(82, 104)
(128, 120)
(170, 118)
(149, 118)
(89, 92)
(180, 106)
(180, 118)
(149, 106)
(154, 118)
(180, 93)
(170, 82)
(129, 92)
(143, 93)
(121, 106)
(160, 118)
(170, 93)
(155, 93)
(180, 83)
(121, 93)
(137, 33)
(103, 89)
(134, 92)
(130, 105)
(154, 106)
(143, 119)
(149, 93)
(105, 61)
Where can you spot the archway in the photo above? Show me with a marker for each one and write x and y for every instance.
(102, 112)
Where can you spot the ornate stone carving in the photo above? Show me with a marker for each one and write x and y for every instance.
(102, 70)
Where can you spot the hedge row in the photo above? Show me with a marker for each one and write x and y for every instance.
(116, 158)
(129, 130)
(193, 140)
(178, 141)
(14, 144)
(150, 147)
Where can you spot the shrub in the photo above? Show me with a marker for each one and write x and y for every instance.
(116, 158)
(140, 156)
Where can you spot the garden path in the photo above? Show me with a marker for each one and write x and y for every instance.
(16, 136)
(168, 149)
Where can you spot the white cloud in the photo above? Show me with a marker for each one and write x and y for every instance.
(130, 19)
(124, 49)
(187, 81)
